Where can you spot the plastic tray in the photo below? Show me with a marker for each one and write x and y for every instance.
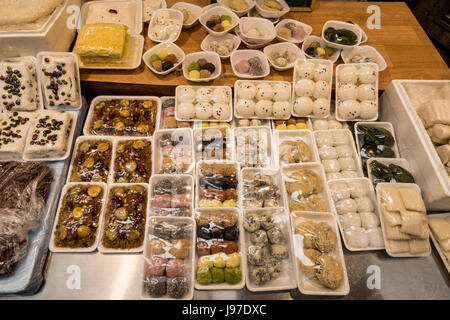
(386, 161)
(240, 133)
(92, 248)
(196, 10)
(88, 122)
(239, 55)
(161, 115)
(190, 267)
(386, 241)
(373, 199)
(288, 278)
(134, 60)
(219, 10)
(243, 265)
(342, 25)
(301, 134)
(228, 89)
(297, 78)
(306, 27)
(283, 46)
(135, 28)
(230, 153)
(337, 101)
(256, 82)
(272, 14)
(305, 285)
(74, 118)
(436, 242)
(366, 51)
(174, 14)
(170, 47)
(385, 125)
(105, 250)
(76, 75)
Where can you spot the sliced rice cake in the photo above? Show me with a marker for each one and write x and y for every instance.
(440, 227)
(18, 85)
(417, 246)
(398, 246)
(13, 133)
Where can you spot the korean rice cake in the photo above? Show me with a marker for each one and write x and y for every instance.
(13, 133)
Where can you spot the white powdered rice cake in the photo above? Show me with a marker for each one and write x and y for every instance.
(13, 133)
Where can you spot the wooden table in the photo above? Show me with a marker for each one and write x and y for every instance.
(408, 52)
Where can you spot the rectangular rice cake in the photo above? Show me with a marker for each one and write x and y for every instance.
(13, 133)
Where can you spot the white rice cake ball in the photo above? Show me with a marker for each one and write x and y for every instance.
(349, 220)
(322, 73)
(366, 92)
(339, 191)
(321, 108)
(347, 163)
(245, 108)
(221, 111)
(349, 109)
(346, 205)
(331, 165)
(344, 151)
(376, 237)
(203, 110)
(319, 124)
(340, 138)
(357, 237)
(369, 220)
(368, 109)
(328, 153)
(324, 138)
(246, 90)
(305, 70)
(303, 106)
(334, 124)
(221, 95)
(263, 108)
(264, 91)
(347, 91)
(186, 95)
(367, 74)
(348, 74)
(185, 110)
(364, 204)
(204, 94)
(281, 109)
(305, 87)
(321, 90)
(357, 189)
(281, 92)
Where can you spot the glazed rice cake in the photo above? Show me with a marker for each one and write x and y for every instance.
(49, 134)
(59, 80)
(105, 40)
(122, 12)
(13, 133)
(18, 85)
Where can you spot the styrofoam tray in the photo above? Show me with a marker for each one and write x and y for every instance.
(239, 55)
(230, 153)
(76, 75)
(196, 10)
(103, 249)
(386, 161)
(81, 139)
(136, 28)
(218, 162)
(380, 186)
(342, 25)
(338, 101)
(209, 38)
(283, 46)
(250, 3)
(190, 259)
(436, 242)
(366, 51)
(307, 42)
(92, 248)
(272, 14)
(134, 60)
(257, 21)
(243, 265)
(96, 100)
(256, 82)
(306, 27)
(288, 279)
(29, 157)
(373, 199)
(301, 134)
(170, 47)
(211, 57)
(219, 10)
(318, 169)
(242, 133)
(187, 135)
(351, 144)
(297, 78)
(112, 171)
(305, 285)
(174, 14)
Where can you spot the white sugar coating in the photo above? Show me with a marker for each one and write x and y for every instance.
(264, 91)
(328, 153)
(349, 109)
(221, 111)
(368, 109)
(303, 106)
(204, 94)
(324, 138)
(334, 175)
(322, 73)
(305, 70)
(320, 124)
(221, 95)
(281, 92)
(347, 163)
(334, 124)
(367, 74)
(245, 108)
(321, 90)
(348, 174)
(185, 110)
(305, 87)
(203, 110)
(321, 108)
(347, 91)
(340, 138)
(331, 165)
(366, 92)
(246, 90)
(186, 95)
(263, 108)
(344, 151)
(281, 109)
(348, 74)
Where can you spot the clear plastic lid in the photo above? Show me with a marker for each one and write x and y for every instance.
(262, 188)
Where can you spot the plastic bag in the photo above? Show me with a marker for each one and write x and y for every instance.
(174, 150)
(260, 190)
(13, 239)
(172, 195)
(294, 151)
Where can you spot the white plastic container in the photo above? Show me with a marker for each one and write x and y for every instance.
(272, 14)
(241, 134)
(56, 34)
(306, 27)
(170, 47)
(305, 285)
(342, 25)
(365, 51)
(218, 10)
(387, 161)
(283, 46)
(435, 240)
(101, 247)
(196, 10)
(244, 24)
(189, 261)
(385, 125)
(240, 13)
(239, 55)
(148, 9)
(211, 57)
(174, 14)
(380, 186)
(210, 38)
(255, 13)
(52, 246)
(287, 280)
(228, 141)
(427, 169)
(250, 45)
(310, 39)
(294, 135)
